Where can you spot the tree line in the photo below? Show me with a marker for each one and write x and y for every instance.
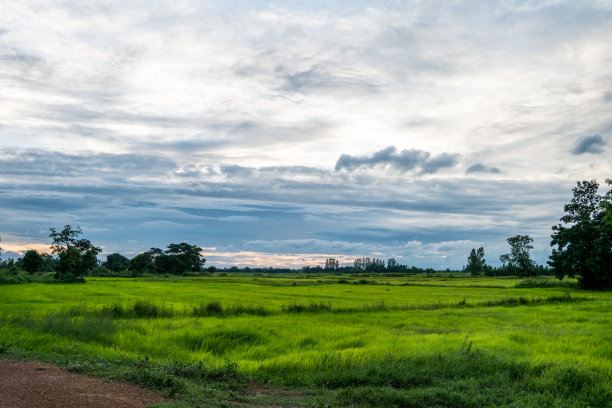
(581, 248)
(76, 257)
(581, 243)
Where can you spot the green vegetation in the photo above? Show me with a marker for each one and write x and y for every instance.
(75, 256)
(370, 335)
(312, 340)
(583, 245)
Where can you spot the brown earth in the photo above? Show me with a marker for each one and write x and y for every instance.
(34, 385)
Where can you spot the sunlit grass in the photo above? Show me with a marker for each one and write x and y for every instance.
(322, 333)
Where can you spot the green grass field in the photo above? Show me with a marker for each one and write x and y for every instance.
(332, 340)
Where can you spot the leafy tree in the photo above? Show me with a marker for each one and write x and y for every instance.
(519, 259)
(76, 257)
(392, 265)
(141, 264)
(188, 257)
(116, 262)
(582, 244)
(32, 261)
(178, 259)
(476, 264)
(331, 264)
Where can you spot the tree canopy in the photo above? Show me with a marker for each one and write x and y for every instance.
(177, 259)
(476, 264)
(76, 257)
(519, 258)
(582, 243)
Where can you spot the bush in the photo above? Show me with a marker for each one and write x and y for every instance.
(8, 277)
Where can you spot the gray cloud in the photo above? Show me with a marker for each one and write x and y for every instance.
(57, 164)
(405, 160)
(589, 144)
(318, 77)
(236, 171)
(214, 116)
(481, 168)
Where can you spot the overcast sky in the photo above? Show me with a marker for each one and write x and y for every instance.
(283, 133)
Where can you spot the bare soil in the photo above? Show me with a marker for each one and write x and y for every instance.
(34, 385)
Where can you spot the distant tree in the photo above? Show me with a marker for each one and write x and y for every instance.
(392, 265)
(178, 259)
(331, 264)
(476, 264)
(76, 257)
(116, 262)
(376, 265)
(142, 264)
(189, 257)
(519, 259)
(32, 261)
(582, 245)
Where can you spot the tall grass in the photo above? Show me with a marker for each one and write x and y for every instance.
(365, 345)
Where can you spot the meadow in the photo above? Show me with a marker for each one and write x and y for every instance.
(325, 340)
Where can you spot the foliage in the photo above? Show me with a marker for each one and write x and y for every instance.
(476, 264)
(582, 244)
(370, 265)
(331, 264)
(519, 259)
(32, 261)
(116, 262)
(76, 257)
(178, 259)
(337, 343)
(13, 276)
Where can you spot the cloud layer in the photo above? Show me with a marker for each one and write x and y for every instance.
(410, 129)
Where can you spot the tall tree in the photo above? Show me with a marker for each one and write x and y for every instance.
(331, 264)
(476, 263)
(188, 258)
(76, 257)
(32, 261)
(582, 244)
(141, 264)
(116, 262)
(519, 259)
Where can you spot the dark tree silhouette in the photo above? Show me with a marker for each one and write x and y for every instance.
(582, 244)
(116, 262)
(32, 261)
(519, 259)
(76, 257)
(476, 264)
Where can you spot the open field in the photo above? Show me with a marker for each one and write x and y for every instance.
(338, 340)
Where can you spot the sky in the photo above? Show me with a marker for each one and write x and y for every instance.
(282, 133)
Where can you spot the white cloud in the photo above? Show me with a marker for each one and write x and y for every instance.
(165, 102)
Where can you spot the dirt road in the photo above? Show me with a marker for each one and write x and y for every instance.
(35, 385)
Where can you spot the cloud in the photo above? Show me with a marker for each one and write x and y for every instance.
(404, 161)
(481, 168)
(236, 171)
(36, 162)
(116, 114)
(590, 144)
(318, 77)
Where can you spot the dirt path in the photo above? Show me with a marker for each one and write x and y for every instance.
(33, 385)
